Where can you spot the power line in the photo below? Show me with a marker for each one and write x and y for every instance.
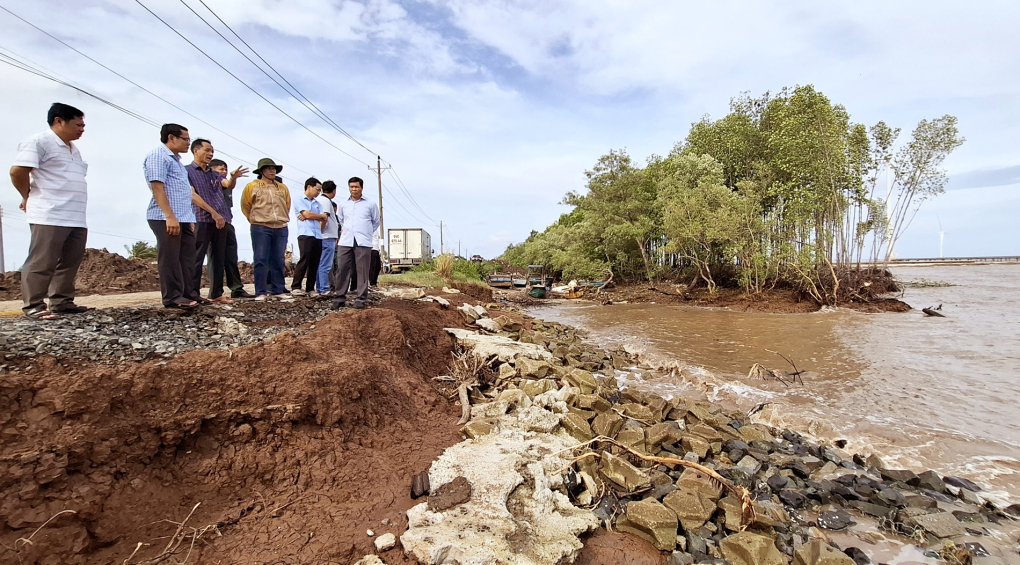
(297, 94)
(146, 90)
(400, 183)
(246, 85)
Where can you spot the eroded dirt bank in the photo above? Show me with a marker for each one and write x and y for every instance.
(291, 448)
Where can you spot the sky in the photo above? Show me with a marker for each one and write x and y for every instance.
(489, 112)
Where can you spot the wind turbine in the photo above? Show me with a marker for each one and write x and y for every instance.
(942, 235)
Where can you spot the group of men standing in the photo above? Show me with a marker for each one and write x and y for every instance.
(190, 214)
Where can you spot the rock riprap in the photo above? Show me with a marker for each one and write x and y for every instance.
(556, 446)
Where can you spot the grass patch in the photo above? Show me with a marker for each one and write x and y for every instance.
(925, 283)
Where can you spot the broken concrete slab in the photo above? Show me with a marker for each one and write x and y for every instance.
(489, 325)
(607, 424)
(514, 515)
(626, 476)
(504, 348)
(576, 426)
(582, 380)
(817, 552)
(532, 368)
(652, 521)
(746, 548)
(692, 507)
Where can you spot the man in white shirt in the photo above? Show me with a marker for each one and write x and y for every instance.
(330, 232)
(50, 175)
(358, 218)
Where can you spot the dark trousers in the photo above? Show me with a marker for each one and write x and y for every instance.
(373, 273)
(269, 246)
(352, 261)
(230, 270)
(175, 255)
(214, 241)
(54, 255)
(310, 248)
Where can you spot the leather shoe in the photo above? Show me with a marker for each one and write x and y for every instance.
(338, 305)
(242, 294)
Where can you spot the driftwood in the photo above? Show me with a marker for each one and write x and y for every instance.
(933, 312)
(747, 513)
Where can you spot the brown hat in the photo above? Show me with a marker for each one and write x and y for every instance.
(267, 162)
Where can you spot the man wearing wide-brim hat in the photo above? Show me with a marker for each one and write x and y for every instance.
(266, 203)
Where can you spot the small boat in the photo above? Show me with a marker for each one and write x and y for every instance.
(537, 292)
(521, 282)
(500, 280)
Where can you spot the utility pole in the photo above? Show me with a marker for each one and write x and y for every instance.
(441, 250)
(382, 227)
(2, 270)
(458, 248)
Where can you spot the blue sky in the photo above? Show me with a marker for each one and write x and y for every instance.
(490, 111)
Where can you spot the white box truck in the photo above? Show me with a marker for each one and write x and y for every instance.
(408, 247)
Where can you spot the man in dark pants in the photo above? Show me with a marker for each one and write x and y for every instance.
(230, 270)
(171, 217)
(212, 219)
(49, 173)
(373, 273)
(359, 219)
(309, 215)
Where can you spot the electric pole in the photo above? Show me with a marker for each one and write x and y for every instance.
(383, 240)
(441, 250)
(2, 270)
(458, 248)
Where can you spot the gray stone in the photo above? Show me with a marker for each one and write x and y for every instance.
(777, 482)
(680, 558)
(749, 464)
(961, 482)
(834, 520)
(941, 525)
(875, 510)
(929, 480)
(793, 498)
(901, 475)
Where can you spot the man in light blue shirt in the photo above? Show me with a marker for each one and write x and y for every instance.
(171, 218)
(309, 215)
(358, 219)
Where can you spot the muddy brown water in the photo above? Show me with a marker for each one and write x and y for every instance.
(921, 392)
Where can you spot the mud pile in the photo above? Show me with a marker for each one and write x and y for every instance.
(286, 450)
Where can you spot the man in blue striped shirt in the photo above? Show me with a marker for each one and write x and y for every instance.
(171, 217)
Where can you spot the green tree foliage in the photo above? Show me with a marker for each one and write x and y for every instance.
(141, 250)
(784, 190)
